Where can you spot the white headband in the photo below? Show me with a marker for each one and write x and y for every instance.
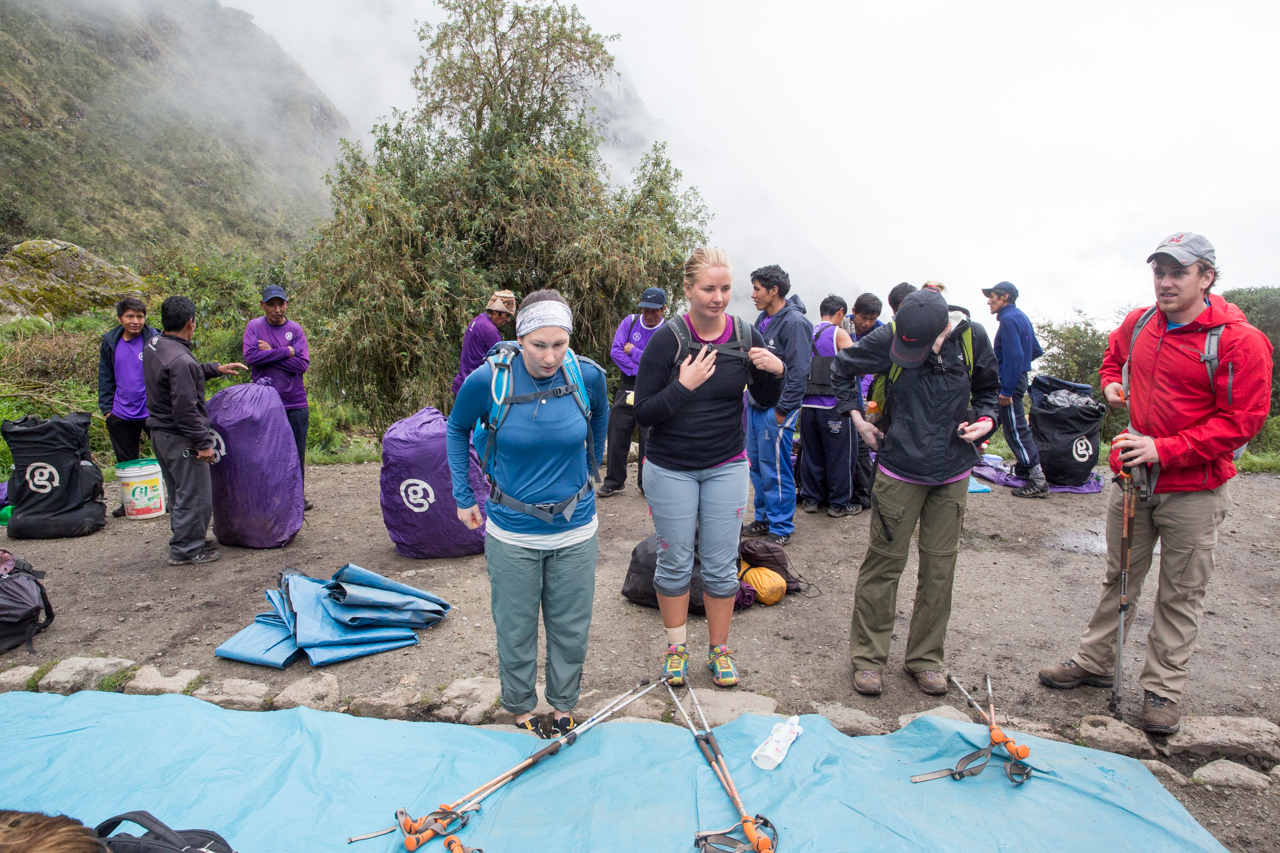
(539, 314)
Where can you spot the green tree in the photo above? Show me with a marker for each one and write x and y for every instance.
(495, 181)
(1262, 306)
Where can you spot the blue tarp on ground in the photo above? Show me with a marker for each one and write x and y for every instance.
(304, 780)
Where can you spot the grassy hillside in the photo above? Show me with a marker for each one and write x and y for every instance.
(121, 119)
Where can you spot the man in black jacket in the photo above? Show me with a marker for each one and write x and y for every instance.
(122, 393)
(942, 389)
(179, 428)
(787, 334)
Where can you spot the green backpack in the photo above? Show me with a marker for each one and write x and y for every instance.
(879, 391)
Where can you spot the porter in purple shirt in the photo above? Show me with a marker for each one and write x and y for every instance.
(285, 371)
(479, 337)
(631, 330)
(130, 402)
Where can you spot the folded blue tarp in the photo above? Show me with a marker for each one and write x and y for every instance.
(311, 616)
(304, 780)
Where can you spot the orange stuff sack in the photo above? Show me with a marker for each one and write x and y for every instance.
(768, 584)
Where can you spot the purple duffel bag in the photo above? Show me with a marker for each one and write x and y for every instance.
(417, 494)
(257, 483)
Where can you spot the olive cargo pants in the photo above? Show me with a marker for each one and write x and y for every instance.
(896, 507)
(1186, 523)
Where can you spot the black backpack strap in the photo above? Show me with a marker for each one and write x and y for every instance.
(147, 821)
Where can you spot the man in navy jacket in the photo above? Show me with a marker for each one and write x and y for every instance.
(787, 334)
(1016, 347)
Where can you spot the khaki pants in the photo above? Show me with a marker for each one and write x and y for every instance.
(1186, 524)
(896, 507)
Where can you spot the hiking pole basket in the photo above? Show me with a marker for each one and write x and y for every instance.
(720, 841)
(975, 762)
(1130, 492)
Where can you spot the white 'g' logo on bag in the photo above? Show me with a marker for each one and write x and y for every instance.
(1082, 449)
(417, 495)
(41, 477)
(219, 447)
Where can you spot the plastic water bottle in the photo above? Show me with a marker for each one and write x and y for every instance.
(872, 412)
(769, 754)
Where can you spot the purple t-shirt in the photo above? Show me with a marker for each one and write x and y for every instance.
(826, 345)
(476, 341)
(631, 330)
(130, 402)
(284, 371)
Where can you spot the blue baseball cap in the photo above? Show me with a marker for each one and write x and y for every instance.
(1004, 288)
(653, 297)
(273, 291)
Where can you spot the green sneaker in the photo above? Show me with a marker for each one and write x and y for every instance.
(676, 664)
(720, 662)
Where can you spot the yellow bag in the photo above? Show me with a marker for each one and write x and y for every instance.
(768, 584)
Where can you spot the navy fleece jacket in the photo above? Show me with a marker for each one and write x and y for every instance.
(787, 335)
(1016, 347)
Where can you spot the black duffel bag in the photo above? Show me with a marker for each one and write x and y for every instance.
(55, 488)
(159, 838)
(638, 584)
(1068, 437)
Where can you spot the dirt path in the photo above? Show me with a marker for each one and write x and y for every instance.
(1027, 581)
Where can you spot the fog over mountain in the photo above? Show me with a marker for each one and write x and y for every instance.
(861, 144)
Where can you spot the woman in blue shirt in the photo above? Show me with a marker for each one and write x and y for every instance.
(540, 536)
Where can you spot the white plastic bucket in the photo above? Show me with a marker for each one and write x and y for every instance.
(142, 488)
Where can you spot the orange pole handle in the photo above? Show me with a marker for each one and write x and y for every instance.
(453, 845)
(1014, 749)
(760, 842)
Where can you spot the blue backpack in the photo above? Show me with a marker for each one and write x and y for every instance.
(485, 435)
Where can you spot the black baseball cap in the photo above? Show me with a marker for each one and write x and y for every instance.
(273, 291)
(1003, 287)
(920, 319)
(653, 297)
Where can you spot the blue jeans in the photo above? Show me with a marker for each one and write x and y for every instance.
(1017, 432)
(705, 507)
(772, 477)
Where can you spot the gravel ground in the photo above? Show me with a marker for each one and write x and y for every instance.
(1026, 582)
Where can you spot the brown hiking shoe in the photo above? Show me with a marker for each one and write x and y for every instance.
(1069, 674)
(1160, 716)
(930, 682)
(867, 682)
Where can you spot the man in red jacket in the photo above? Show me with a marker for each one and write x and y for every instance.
(1187, 416)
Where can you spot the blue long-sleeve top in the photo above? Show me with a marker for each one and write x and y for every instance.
(1016, 347)
(541, 453)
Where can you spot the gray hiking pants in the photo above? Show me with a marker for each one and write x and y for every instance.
(190, 493)
(560, 583)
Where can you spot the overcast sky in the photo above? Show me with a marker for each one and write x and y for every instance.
(1050, 145)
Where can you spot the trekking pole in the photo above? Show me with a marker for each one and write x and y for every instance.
(757, 841)
(419, 831)
(975, 762)
(1126, 542)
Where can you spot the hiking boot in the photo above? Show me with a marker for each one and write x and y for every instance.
(720, 662)
(675, 664)
(607, 491)
(777, 538)
(1160, 716)
(842, 511)
(755, 528)
(533, 726)
(562, 726)
(1032, 490)
(809, 506)
(118, 512)
(931, 683)
(207, 556)
(867, 682)
(1069, 674)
